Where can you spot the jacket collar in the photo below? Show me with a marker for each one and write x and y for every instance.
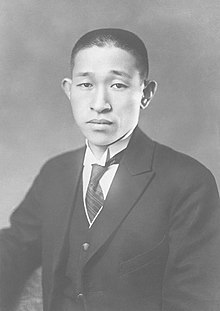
(139, 154)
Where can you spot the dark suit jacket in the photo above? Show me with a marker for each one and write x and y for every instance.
(155, 245)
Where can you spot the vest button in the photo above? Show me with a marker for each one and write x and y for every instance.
(79, 296)
(85, 246)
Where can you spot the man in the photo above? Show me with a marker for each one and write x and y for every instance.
(124, 223)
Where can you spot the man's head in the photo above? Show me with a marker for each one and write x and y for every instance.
(109, 84)
(119, 38)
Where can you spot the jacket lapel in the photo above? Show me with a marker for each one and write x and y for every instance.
(133, 176)
(68, 180)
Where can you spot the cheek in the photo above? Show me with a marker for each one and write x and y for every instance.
(77, 96)
(128, 116)
(78, 111)
(130, 107)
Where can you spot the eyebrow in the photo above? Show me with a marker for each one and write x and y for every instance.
(121, 73)
(84, 74)
(115, 72)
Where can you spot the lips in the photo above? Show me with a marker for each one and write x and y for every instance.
(100, 121)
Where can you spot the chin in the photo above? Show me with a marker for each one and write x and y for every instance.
(100, 139)
(100, 143)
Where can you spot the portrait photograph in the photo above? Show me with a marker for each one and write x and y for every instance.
(110, 155)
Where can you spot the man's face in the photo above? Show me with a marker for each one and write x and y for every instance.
(105, 93)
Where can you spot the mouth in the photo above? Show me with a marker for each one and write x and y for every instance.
(100, 121)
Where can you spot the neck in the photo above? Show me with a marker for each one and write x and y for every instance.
(97, 150)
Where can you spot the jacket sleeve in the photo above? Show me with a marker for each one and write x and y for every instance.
(20, 247)
(192, 275)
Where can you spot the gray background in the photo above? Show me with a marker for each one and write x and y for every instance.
(36, 36)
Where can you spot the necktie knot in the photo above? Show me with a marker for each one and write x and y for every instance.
(98, 170)
(94, 195)
(97, 173)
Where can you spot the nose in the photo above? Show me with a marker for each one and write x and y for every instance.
(100, 102)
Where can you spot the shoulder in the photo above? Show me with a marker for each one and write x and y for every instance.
(169, 161)
(66, 157)
(172, 168)
(64, 161)
(182, 169)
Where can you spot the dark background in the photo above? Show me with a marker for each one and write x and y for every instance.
(36, 37)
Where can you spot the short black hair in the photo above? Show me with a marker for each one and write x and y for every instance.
(120, 38)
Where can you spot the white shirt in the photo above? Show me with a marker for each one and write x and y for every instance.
(107, 178)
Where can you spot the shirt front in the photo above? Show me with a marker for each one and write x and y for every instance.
(107, 178)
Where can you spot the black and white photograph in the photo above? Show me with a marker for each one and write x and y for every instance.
(109, 155)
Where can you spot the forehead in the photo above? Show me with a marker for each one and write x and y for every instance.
(104, 60)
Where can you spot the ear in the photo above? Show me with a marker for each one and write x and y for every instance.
(66, 86)
(150, 87)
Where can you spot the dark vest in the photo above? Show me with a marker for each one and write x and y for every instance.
(78, 239)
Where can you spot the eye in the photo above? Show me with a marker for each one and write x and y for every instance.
(85, 85)
(119, 86)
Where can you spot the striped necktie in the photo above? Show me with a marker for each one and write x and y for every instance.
(94, 194)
